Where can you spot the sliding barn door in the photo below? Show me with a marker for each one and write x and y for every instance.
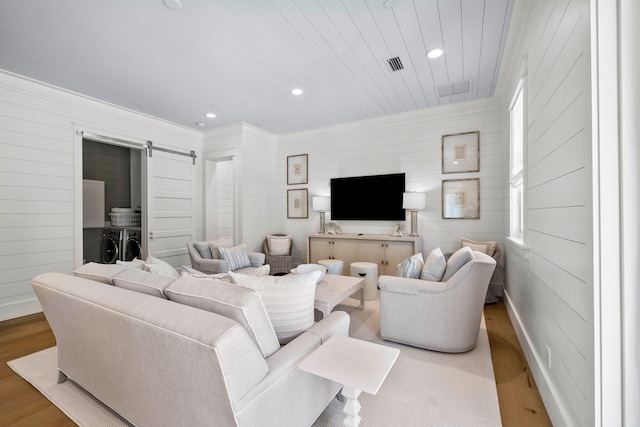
(170, 197)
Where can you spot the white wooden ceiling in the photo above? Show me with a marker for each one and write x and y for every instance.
(241, 58)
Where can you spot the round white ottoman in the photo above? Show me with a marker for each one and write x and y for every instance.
(334, 266)
(369, 271)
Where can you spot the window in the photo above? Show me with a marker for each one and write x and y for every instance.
(516, 175)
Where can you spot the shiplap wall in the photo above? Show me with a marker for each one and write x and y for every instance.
(409, 143)
(550, 293)
(38, 174)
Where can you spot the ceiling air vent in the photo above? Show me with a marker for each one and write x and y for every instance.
(395, 64)
(454, 88)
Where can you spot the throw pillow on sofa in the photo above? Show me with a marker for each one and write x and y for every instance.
(237, 256)
(411, 267)
(158, 266)
(456, 261)
(434, 266)
(134, 263)
(259, 271)
(203, 249)
(287, 299)
(215, 245)
(235, 302)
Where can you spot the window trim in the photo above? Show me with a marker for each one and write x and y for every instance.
(516, 175)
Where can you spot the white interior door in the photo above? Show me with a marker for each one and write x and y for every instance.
(171, 201)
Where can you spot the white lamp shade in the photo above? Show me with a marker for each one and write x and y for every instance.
(414, 201)
(321, 203)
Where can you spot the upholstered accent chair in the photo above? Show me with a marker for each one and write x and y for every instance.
(278, 250)
(212, 258)
(438, 315)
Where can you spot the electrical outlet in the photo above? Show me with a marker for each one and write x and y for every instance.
(548, 357)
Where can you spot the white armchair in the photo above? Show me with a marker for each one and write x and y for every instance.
(441, 316)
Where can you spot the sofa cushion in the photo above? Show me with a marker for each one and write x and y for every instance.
(456, 261)
(158, 266)
(288, 300)
(99, 272)
(237, 256)
(235, 302)
(411, 267)
(434, 266)
(488, 248)
(279, 245)
(142, 281)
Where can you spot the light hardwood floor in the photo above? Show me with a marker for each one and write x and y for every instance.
(23, 405)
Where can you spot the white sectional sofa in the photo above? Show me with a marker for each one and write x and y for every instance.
(158, 362)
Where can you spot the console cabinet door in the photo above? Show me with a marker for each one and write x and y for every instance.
(319, 248)
(347, 251)
(372, 251)
(395, 253)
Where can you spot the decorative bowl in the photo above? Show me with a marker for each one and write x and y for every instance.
(307, 268)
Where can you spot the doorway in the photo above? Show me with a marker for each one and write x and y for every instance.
(220, 198)
(113, 177)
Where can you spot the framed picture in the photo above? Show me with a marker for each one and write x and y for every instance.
(461, 152)
(461, 198)
(297, 169)
(297, 203)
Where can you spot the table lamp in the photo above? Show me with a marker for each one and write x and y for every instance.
(321, 204)
(414, 202)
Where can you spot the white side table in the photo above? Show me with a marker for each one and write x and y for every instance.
(334, 266)
(369, 272)
(357, 365)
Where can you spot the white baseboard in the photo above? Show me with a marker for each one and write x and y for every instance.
(556, 407)
(20, 309)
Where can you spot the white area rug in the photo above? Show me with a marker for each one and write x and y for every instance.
(424, 388)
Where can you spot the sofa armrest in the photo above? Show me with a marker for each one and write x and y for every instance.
(336, 323)
(405, 285)
(256, 259)
(283, 363)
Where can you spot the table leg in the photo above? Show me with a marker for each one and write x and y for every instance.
(351, 406)
(361, 307)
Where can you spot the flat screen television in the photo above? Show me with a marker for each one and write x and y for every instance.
(368, 198)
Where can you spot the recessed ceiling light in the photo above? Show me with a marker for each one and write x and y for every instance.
(173, 4)
(210, 115)
(201, 124)
(296, 91)
(434, 53)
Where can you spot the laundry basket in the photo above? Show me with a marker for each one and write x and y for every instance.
(121, 219)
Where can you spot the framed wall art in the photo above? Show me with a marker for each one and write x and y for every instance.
(461, 152)
(297, 169)
(461, 198)
(297, 203)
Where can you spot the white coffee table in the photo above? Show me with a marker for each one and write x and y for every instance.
(333, 289)
(356, 364)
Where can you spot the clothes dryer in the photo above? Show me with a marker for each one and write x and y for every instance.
(131, 244)
(110, 249)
